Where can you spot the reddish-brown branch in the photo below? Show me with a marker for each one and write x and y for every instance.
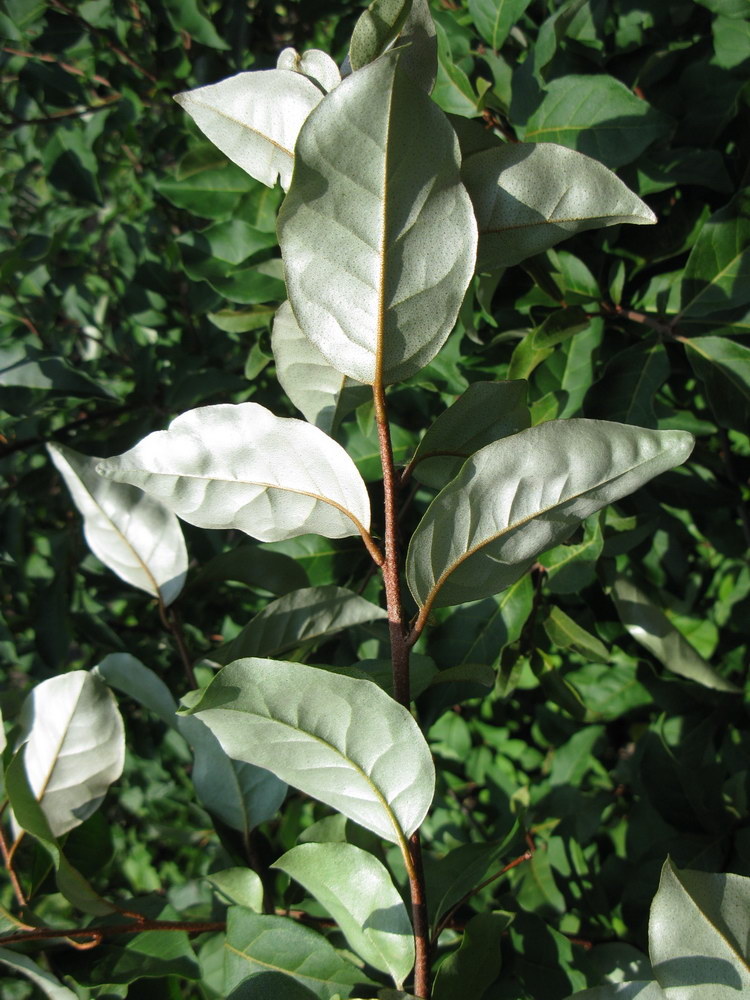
(97, 934)
(8, 862)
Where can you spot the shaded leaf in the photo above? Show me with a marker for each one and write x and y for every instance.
(650, 627)
(300, 617)
(354, 229)
(253, 566)
(358, 892)
(341, 740)
(475, 965)
(570, 568)
(723, 366)
(28, 367)
(377, 26)
(529, 196)
(239, 466)
(132, 534)
(257, 942)
(626, 390)
(47, 984)
(270, 986)
(568, 634)
(640, 989)
(322, 394)
(523, 494)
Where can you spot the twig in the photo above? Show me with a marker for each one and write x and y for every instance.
(173, 625)
(97, 934)
(98, 31)
(8, 862)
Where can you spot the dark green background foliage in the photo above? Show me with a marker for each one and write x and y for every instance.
(139, 272)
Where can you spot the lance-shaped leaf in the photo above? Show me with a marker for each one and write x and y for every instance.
(530, 196)
(698, 933)
(650, 627)
(521, 495)
(74, 746)
(304, 616)
(377, 231)
(257, 943)
(340, 740)
(314, 64)
(315, 387)
(132, 534)
(239, 466)
(255, 118)
(357, 891)
(485, 412)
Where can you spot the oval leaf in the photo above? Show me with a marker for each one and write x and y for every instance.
(132, 534)
(301, 617)
(255, 118)
(698, 934)
(340, 740)
(239, 466)
(530, 196)
(521, 495)
(74, 746)
(316, 388)
(650, 627)
(377, 232)
(357, 891)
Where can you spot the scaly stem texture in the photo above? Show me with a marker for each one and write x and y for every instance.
(400, 651)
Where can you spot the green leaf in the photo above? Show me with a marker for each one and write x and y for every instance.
(473, 968)
(528, 196)
(127, 674)
(551, 32)
(724, 368)
(358, 892)
(698, 934)
(271, 986)
(567, 634)
(255, 118)
(74, 744)
(485, 412)
(239, 466)
(597, 115)
(462, 870)
(45, 982)
(521, 495)
(570, 568)
(317, 389)
(376, 28)
(28, 367)
(726, 8)
(186, 16)
(379, 248)
(241, 886)
(716, 278)
(211, 192)
(258, 943)
(650, 627)
(301, 617)
(626, 390)
(639, 989)
(132, 534)
(255, 567)
(731, 41)
(418, 44)
(495, 18)
(343, 741)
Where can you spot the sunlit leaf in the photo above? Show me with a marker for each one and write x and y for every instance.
(495, 18)
(529, 196)
(312, 63)
(568, 634)
(358, 892)
(523, 494)
(378, 248)
(74, 746)
(132, 534)
(241, 886)
(376, 27)
(239, 466)
(341, 740)
(255, 118)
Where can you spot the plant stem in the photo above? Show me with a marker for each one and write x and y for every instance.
(8, 862)
(400, 651)
(173, 625)
(96, 934)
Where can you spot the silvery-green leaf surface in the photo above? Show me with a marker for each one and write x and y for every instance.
(377, 26)
(640, 989)
(377, 231)
(357, 891)
(239, 466)
(314, 64)
(300, 617)
(418, 44)
(698, 933)
(321, 393)
(523, 494)
(650, 627)
(340, 740)
(485, 412)
(530, 196)
(255, 118)
(132, 534)
(241, 795)
(45, 982)
(74, 746)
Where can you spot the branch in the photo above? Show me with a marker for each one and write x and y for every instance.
(97, 934)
